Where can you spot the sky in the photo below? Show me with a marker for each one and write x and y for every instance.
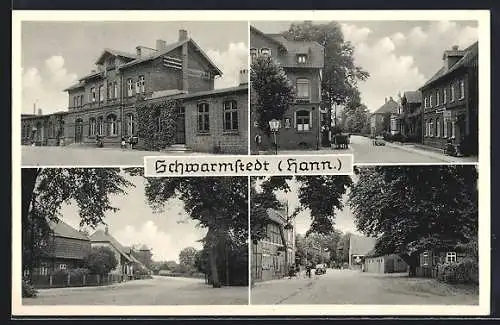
(399, 55)
(56, 54)
(166, 233)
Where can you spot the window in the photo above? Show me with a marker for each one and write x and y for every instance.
(230, 116)
(302, 88)
(303, 121)
(253, 53)
(445, 92)
(430, 100)
(62, 266)
(74, 102)
(50, 130)
(437, 98)
(115, 92)
(101, 93)
(438, 127)
(425, 258)
(100, 126)
(273, 233)
(93, 94)
(142, 84)
(301, 58)
(425, 102)
(451, 257)
(431, 128)
(265, 51)
(112, 126)
(130, 124)
(92, 127)
(462, 90)
(445, 128)
(452, 92)
(130, 91)
(203, 118)
(81, 100)
(109, 90)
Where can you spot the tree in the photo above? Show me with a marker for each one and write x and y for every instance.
(274, 92)
(343, 248)
(357, 119)
(339, 84)
(412, 209)
(218, 203)
(45, 190)
(187, 257)
(101, 260)
(144, 256)
(322, 195)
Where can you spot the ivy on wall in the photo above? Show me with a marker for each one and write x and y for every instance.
(156, 123)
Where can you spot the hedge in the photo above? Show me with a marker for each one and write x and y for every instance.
(465, 271)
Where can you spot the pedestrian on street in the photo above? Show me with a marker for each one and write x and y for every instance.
(123, 144)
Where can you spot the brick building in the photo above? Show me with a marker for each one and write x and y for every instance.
(268, 255)
(450, 101)
(103, 103)
(67, 249)
(303, 63)
(411, 115)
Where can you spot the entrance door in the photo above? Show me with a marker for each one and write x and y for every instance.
(180, 131)
(78, 131)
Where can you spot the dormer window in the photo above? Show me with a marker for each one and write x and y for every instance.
(301, 58)
(265, 51)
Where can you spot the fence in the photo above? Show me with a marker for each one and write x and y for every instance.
(79, 280)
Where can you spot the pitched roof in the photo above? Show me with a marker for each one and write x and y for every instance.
(388, 107)
(360, 245)
(101, 236)
(115, 53)
(62, 229)
(413, 96)
(469, 59)
(79, 84)
(268, 36)
(314, 50)
(169, 48)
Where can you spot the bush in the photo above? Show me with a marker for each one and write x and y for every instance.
(465, 271)
(28, 290)
(398, 137)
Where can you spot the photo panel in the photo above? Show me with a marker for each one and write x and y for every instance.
(110, 236)
(391, 235)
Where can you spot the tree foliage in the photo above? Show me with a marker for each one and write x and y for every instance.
(340, 74)
(156, 123)
(218, 203)
(321, 195)
(187, 256)
(45, 190)
(413, 209)
(101, 260)
(356, 119)
(274, 92)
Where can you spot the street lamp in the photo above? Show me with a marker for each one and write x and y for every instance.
(275, 125)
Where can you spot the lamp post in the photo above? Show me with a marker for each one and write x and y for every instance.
(275, 125)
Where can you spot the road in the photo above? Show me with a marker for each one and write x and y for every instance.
(157, 291)
(365, 152)
(356, 287)
(89, 156)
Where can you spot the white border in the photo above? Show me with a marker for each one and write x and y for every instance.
(483, 18)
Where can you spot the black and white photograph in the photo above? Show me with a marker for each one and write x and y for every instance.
(99, 236)
(388, 235)
(109, 93)
(385, 91)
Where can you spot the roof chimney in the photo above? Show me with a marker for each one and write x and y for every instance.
(161, 45)
(183, 35)
(451, 57)
(454, 47)
(243, 77)
(138, 51)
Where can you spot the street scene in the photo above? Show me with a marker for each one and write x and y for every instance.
(361, 87)
(132, 240)
(195, 100)
(387, 235)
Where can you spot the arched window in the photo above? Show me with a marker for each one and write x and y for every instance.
(203, 118)
(303, 121)
(438, 127)
(112, 126)
(130, 124)
(265, 51)
(100, 126)
(230, 115)
(92, 127)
